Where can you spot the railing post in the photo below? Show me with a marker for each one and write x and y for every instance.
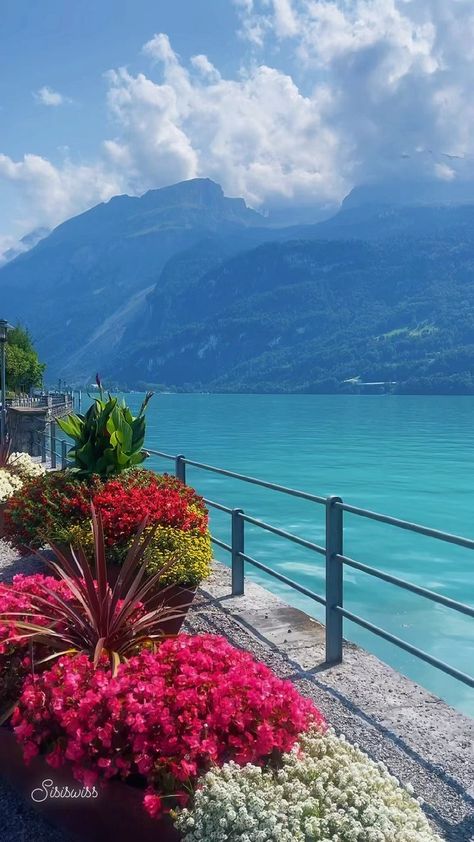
(53, 442)
(63, 455)
(43, 445)
(334, 580)
(238, 524)
(180, 468)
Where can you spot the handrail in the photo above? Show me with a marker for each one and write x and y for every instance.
(244, 478)
(336, 560)
(406, 524)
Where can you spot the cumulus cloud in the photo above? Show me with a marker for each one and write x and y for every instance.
(48, 194)
(257, 135)
(331, 93)
(46, 96)
(400, 72)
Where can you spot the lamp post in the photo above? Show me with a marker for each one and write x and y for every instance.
(3, 341)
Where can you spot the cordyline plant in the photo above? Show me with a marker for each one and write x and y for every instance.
(102, 620)
(108, 438)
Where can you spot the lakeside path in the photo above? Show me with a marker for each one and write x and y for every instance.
(421, 739)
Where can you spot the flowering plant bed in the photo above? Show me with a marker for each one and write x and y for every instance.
(55, 508)
(164, 718)
(324, 790)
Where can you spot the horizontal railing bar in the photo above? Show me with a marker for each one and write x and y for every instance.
(408, 586)
(221, 544)
(217, 506)
(271, 485)
(284, 579)
(283, 534)
(159, 453)
(410, 527)
(402, 644)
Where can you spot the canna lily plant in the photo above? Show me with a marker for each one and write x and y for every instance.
(101, 620)
(108, 438)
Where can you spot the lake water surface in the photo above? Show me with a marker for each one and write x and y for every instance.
(411, 457)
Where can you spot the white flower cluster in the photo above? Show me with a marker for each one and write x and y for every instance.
(326, 791)
(9, 484)
(24, 466)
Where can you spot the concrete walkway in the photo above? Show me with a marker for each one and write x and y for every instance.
(421, 739)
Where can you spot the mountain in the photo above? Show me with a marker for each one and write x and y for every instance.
(310, 315)
(186, 288)
(79, 288)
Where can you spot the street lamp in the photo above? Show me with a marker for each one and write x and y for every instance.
(3, 415)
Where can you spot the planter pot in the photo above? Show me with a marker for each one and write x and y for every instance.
(116, 813)
(179, 598)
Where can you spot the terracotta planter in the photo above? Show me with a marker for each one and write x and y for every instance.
(179, 598)
(116, 813)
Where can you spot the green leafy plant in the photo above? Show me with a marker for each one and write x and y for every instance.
(101, 620)
(108, 439)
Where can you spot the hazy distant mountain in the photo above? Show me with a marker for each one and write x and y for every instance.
(187, 288)
(27, 242)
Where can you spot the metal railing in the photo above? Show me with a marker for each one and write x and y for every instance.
(39, 401)
(335, 561)
(53, 447)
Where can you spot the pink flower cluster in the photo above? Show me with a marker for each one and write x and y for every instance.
(166, 716)
(17, 598)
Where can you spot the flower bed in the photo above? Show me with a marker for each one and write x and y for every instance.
(197, 729)
(15, 657)
(325, 791)
(15, 470)
(166, 717)
(55, 508)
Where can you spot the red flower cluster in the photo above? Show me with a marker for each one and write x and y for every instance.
(166, 716)
(124, 506)
(50, 505)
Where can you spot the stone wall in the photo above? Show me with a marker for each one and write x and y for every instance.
(24, 426)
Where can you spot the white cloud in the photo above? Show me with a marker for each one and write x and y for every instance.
(46, 96)
(257, 135)
(401, 73)
(334, 92)
(48, 194)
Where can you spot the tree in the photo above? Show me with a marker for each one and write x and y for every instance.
(24, 369)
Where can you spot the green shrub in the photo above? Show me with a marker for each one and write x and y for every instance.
(108, 439)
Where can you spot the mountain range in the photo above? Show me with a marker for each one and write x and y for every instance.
(185, 288)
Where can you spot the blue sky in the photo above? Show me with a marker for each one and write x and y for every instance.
(282, 101)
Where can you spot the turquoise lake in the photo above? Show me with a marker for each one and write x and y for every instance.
(407, 456)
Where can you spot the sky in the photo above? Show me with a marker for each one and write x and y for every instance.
(283, 102)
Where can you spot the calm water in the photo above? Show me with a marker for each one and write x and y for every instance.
(412, 457)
